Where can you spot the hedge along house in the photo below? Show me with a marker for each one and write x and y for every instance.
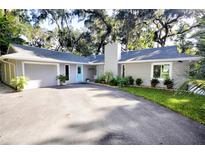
(41, 66)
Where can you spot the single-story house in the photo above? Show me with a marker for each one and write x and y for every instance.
(41, 66)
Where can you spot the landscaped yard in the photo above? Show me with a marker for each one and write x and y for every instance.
(192, 106)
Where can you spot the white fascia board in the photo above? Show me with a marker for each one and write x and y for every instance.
(41, 60)
(90, 63)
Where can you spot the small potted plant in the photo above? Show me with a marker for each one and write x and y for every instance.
(154, 82)
(138, 81)
(169, 83)
(62, 79)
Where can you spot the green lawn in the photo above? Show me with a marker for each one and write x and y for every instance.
(192, 106)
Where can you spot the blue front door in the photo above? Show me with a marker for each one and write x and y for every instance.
(79, 76)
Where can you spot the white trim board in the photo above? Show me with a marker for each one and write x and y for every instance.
(41, 60)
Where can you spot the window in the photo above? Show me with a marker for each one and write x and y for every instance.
(161, 71)
(79, 70)
(67, 71)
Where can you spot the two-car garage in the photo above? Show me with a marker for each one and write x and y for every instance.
(40, 74)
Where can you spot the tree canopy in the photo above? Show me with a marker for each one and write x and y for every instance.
(133, 28)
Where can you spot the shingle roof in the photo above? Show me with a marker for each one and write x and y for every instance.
(96, 58)
(39, 54)
(168, 52)
(28, 52)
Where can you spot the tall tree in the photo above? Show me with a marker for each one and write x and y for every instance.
(99, 24)
(10, 30)
(166, 22)
(133, 28)
(200, 36)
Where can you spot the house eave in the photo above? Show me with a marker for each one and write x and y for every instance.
(41, 60)
(163, 60)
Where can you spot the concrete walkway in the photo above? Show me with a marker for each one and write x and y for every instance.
(90, 114)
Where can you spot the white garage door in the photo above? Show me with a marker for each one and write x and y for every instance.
(40, 75)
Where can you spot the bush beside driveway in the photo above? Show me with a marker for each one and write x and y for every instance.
(91, 114)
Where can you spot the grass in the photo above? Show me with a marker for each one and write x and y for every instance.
(190, 105)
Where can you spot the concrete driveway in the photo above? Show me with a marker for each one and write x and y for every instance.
(5, 89)
(90, 114)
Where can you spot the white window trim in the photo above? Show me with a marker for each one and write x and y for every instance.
(65, 71)
(81, 72)
(40, 63)
(162, 63)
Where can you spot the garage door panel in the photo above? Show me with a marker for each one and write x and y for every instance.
(40, 75)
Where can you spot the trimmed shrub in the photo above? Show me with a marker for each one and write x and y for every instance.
(154, 82)
(19, 83)
(169, 83)
(123, 81)
(138, 81)
(113, 82)
(130, 80)
(97, 80)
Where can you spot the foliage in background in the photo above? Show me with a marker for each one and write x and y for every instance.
(199, 69)
(134, 28)
(10, 30)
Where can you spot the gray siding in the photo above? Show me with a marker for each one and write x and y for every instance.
(180, 72)
(72, 72)
(89, 72)
(139, 70)
(143, 70)
(19, 71)
(100, 70)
